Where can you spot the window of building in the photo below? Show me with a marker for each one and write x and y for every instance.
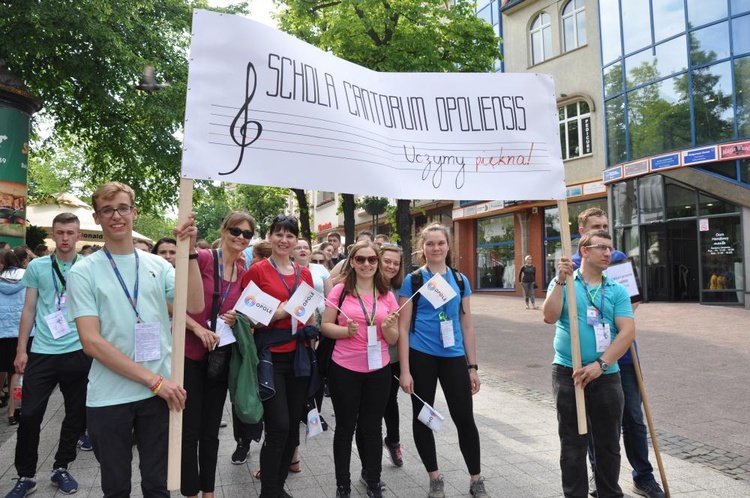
(541, 38)
(575, 129)
(721, 260)
(609, 29)
(712, 103)
(323, 197)
(496, 267)
(574, 24)
(669, 18)
(701, 12)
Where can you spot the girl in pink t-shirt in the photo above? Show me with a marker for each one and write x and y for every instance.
(359, 377)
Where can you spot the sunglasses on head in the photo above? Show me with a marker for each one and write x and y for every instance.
(236, 232)
(318, 261)
(361, 259)
(282, 217)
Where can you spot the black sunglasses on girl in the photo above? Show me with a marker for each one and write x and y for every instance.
(236, 232)
(361, 259)
(318, 261)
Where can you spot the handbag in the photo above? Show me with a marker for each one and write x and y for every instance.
(219, 358)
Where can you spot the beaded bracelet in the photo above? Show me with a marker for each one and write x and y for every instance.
(155, 388)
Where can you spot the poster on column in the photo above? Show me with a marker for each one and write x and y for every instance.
(265, 108)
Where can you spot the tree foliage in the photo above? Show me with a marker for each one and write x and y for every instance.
(83, 59)
(393, 36)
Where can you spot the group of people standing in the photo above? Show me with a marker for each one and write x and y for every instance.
(102, 326)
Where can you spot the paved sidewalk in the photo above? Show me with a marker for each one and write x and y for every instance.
(519, 452)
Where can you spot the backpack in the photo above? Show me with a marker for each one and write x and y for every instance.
(324, 351)
(417, 281)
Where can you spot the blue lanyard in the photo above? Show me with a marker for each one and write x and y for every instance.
(133, 300)
(57, 275)
(298, 274)
(588, 294)
(221, 279)
(368, 319)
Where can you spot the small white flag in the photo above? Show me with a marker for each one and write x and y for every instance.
(256, 304)
(431, 418)
(303, 303)
(437, 291)
(314, 427)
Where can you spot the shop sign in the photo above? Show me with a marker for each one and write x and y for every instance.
(458, 213)
(324, 226)
(482, 208)
(496, 205)
(703, 225)
(612, 174)
(636, 168)
(574, 191)
(720, 245)
(665, 162)
(586, 124)
(699, 156)
(470, 210)
(735, 151)
(594, 188)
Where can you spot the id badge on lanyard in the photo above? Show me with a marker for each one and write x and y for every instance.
(446, 330)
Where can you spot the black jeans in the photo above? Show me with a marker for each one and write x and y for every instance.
(43, 373)
(281, 415)
(359, 400)
(391, 408)
(111, 430)
(200, 428)
(604, 405)
(426, 370)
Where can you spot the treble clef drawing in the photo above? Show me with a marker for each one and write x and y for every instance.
(238, 130)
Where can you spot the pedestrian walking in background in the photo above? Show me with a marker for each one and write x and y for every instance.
(527, 277)
(440, 345)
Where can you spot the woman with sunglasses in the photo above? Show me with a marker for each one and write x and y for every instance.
(278, 342)
(440, 345)
(206, 393)
(359, 376)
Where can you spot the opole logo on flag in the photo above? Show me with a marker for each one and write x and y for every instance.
(431, 417)
(250, 301)
(303, 303)
(437, 291)
(256, 304)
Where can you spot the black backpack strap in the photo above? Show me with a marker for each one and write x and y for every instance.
(341, 301)
(461, 287)
(417, 280)
(215, 300)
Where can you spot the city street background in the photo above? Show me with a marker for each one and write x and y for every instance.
(694, 360)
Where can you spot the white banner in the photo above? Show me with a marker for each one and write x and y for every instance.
(265, 108)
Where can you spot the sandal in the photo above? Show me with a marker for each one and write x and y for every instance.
(295, 467)
(256, 474)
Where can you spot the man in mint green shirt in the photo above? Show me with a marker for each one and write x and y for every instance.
(56, 358)
(118, 297)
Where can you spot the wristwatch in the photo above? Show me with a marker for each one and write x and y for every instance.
(602, 364)
(474, 366)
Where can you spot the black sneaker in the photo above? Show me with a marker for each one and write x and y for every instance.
(240, 453)
(342, 492)
(394, 452)
(374, 493)
(363, 480)
(24, 486)
(650, 490)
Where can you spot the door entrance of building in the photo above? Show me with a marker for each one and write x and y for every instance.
(671, 270)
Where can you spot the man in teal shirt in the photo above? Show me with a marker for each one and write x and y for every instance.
(56, 358)
(118, 297)
(606, 329)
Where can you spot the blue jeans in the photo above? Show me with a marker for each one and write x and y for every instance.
(604, 405)
(634, 431)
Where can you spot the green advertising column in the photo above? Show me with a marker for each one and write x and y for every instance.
(17, 105)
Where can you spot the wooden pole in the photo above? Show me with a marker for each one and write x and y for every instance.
(575, 342)
(649, 420)
(179, 311)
